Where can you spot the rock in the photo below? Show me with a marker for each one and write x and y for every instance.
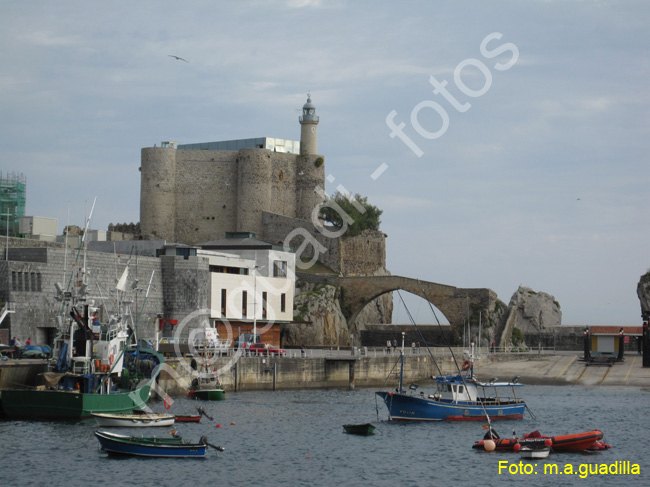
(319, 304)
(534, 312)
(643, 292)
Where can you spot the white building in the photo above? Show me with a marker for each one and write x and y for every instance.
(250, 280)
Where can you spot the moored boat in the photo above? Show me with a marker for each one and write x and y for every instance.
(574, 442)
(207, 388)
(165, 447)
(133, 420)
(364, 429)
(460, 397)
(188, 418)
(213, 394)
(87, 373)
(534, 452)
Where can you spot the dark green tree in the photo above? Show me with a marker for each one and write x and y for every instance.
(352, 212)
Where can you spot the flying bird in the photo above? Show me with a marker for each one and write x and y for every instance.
(179, 58)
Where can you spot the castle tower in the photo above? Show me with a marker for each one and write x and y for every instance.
(308, 128)
(158, 192)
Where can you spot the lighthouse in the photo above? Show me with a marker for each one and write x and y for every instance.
(308, 128)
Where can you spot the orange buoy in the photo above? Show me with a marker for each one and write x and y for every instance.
(489, 445)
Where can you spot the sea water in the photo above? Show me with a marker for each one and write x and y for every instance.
(296, 438)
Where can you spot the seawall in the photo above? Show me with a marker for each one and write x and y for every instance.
(275, 373)
(332, 371)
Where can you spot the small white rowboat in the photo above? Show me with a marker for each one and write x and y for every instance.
(133, 420)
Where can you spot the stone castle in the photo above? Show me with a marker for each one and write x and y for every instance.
(194, 193)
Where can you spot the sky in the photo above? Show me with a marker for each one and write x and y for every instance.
(522, 159)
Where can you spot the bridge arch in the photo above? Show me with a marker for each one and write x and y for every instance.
(455, 303)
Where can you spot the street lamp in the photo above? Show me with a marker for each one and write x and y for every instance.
(255, 269)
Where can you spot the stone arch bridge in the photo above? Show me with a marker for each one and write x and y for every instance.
(455, 303)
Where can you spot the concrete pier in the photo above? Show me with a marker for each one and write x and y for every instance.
(566, 368)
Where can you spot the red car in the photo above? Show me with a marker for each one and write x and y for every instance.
(265, 349)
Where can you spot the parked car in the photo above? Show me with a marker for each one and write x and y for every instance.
(265, 349)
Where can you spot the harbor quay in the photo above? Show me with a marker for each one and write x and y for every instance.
(312, 369)
(363, 367)
(367, 367)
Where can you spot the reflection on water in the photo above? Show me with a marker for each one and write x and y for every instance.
(296, 437)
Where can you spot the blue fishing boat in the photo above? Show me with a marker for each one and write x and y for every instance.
(163, 447)
(460, 397)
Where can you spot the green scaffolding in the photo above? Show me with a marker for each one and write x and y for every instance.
(12, 202)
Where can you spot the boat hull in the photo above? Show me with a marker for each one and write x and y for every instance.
(533, 453)
(133, 420)
(402, 407)
(142, 447)
(574, 442)
(188, 419)
(54, 404)
(365, 429)
(208, 394)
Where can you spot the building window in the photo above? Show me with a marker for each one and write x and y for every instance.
(283, 303)
(228, 270)
(20, 281)
(264, 296)
(14, 281)
(280, 268)
(244, 304)
(223, 303)
(34, 282)
(38, 282)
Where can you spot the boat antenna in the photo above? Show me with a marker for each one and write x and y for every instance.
(81, 247)
(419, 332)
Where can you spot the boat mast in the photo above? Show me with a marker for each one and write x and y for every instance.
(401, 369)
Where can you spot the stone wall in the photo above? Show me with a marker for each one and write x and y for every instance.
(193, 196)
(28, 280)
(364, 254)
(179, 288)
(258, 373)
(306, 241)
(186, 292)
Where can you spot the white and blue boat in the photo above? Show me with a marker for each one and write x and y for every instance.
(459, 397)
(165, 447)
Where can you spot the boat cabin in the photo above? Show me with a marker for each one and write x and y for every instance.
(456, 389)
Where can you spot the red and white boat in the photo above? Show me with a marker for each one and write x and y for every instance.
(589, 440)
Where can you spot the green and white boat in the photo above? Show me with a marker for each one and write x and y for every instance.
(207, 390)
(88, 373)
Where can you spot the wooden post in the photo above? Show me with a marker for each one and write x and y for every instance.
(236, 369)
(275, 374)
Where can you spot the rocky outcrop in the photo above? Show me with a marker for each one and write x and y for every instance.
(531, 312)
(643, 292)
(317, 304)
